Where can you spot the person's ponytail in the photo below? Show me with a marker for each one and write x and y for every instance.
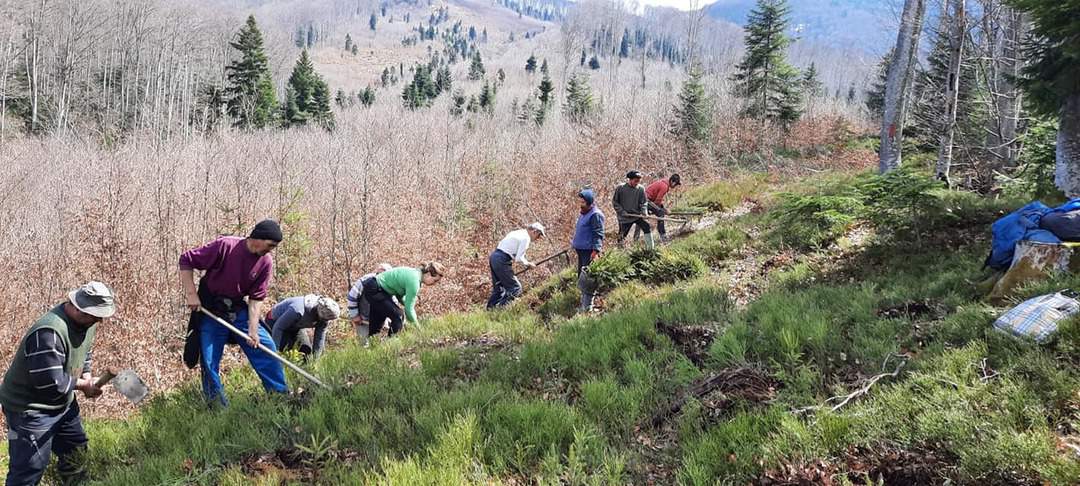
(435, 269)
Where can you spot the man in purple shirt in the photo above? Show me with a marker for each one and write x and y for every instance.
(234, 269)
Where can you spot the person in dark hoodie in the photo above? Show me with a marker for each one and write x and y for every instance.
(631, 207)
(587, 243)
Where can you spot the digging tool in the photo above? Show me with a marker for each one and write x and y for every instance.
(543, 261)
(264, 349)
(658, 218)
(127, 382)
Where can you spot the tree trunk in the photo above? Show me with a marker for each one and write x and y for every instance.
(1068, 147)
(952, 89)
(1005, 68)
(897, 83)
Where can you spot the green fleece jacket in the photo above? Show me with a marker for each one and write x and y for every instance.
(403, 283)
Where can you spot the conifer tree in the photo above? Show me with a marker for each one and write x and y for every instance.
(583, 58)
(765, 80)
(487, 98)
(421, 90)
(580, 106)
(541, 116)
(594, 63)
(624, 46)
(875, 96)
(301, 37)
(367, 97)
(348, 42)
(307, 97)
(250, 92)
(476, 67)
(546, 88)
(443, 80)
(527, 113)
(355, 49)
(544, 67)
(341, 99)
(501, 76)
(374, 21)
(812, 87)
(458, 106)
(693, 113)
(530, 64)
(1051, 80)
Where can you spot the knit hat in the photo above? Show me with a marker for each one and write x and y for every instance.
(267, 229)
(633, 175)
(328, 309)
(588, 195)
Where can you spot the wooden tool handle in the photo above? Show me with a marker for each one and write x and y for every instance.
(105, 377)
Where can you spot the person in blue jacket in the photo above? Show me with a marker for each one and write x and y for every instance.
(587, 243)
(290, 317)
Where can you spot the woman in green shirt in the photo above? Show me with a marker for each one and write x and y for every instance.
(404, 284)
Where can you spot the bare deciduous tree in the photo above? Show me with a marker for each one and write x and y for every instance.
(898, 84)
(957, 38)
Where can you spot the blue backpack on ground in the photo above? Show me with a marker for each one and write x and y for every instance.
(1022, 225)
(1013, 228)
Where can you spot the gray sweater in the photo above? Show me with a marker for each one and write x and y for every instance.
(629, 202)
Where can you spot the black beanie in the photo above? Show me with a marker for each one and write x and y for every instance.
(267, 229)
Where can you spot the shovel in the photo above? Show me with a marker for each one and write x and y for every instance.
(264, 349)
(126, 382)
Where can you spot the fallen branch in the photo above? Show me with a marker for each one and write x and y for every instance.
(845, 399)
(862, 391)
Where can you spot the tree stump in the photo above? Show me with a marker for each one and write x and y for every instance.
(1035, 261)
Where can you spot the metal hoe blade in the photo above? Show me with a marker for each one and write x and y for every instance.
(131, 386)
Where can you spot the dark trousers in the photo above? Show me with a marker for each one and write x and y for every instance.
(298, 338)
(33, 435)
(585, 284)
(505, 287)
(624, 228)
(382, 308)
(661, 211)
(655, 210)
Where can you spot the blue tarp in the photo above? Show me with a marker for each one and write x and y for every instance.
(1022, 225)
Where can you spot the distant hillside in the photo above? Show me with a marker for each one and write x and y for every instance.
(863, 23)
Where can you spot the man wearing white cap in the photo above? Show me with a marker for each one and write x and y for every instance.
(290, 317)
(38, 392)
(504, 285)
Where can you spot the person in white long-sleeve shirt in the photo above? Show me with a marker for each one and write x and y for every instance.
(504, 285)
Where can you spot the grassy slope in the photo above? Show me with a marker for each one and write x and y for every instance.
(509, 397)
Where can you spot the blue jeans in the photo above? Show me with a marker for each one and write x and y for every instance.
(33, 435)
(212, 339)
(504, 285)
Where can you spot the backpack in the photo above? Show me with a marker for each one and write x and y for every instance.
(1011, 229)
